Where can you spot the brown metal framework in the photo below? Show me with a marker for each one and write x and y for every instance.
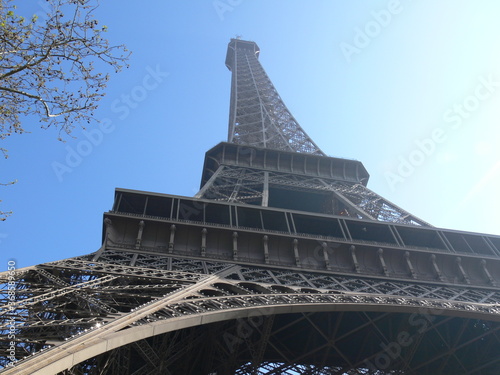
(250, 175)
(283, 263)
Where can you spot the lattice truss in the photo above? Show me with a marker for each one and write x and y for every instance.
(347, 337)
(235, 184)
(77, 300)
(58, 300)
(336, 343)
(258, 116)
(251, 186)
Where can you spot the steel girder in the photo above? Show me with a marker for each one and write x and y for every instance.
(251, 186)
(262, 318)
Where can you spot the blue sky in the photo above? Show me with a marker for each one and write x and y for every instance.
(410, 88)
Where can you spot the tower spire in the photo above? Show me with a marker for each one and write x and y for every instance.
(258, 117)
(270, 161)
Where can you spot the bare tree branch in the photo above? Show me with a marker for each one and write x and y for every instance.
(53, 62)
(53, 67)
(5, 214)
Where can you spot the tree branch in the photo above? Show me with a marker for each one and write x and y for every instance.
(44, 102)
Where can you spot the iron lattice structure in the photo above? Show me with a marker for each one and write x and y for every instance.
(283, 263)
(257, 115)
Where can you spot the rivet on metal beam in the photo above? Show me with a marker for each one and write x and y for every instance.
(325, 255)
(438, 272)
(139, 234)
(487, 273)
(172, 238)
(296, 252)
(352, 249)
(203, 241)
(235, 245)
(380, 253)
(266, 249)
(410, 266)
(461, 269)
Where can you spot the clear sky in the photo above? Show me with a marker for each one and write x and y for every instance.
(410, 88)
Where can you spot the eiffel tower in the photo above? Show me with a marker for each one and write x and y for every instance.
(283, 263)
